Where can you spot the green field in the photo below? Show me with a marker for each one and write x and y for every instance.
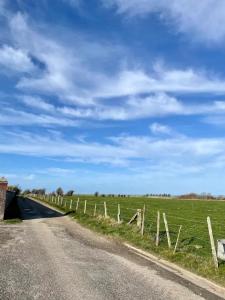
(193, 252)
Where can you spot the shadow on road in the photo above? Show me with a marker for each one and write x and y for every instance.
(31, 209)
(12, 211)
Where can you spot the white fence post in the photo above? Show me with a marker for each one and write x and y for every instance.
(118, 214)
(105, 210)
(167, 230)
(212, 242)
(143, 221)
(139, 218)
(157, 230)
(178, 236)
(85, 206)
(77, 206)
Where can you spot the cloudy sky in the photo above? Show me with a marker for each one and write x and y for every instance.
(115, 96)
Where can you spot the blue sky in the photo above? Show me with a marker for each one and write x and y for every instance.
(115, 96)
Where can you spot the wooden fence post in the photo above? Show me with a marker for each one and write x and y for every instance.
(118, 214)
(167, 230)
(71, 202)
(143, 221)
(178, 236)
(105, 210)
(85, 206)
(212, 242)
(77, 204)
(139, 218)
(157, 230)
(94, 214)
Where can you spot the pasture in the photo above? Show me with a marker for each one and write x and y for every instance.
(191, 214)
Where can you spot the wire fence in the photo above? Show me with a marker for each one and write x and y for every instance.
(188, 233)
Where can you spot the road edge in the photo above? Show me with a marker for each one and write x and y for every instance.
(202, 282)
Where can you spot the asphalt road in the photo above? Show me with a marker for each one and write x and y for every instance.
(49, 256)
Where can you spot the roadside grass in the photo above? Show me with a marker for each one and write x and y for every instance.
(129, 233)
(193, 252)
(12, 221)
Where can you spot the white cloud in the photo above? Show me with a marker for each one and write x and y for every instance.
(133, 108)
(202, 19)
(156, 105)
(54, 171)
(120, 150)
(157, 128)
(39, 111)
(15, 59)
(132, 82)
(70, 71)
(79, 76)
(11, 116)
(29, 177)
(37, 102)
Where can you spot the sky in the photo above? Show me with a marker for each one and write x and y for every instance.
(114, 96)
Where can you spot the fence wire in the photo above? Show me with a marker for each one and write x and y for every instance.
(194, 237)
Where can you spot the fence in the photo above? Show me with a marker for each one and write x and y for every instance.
(176, 229)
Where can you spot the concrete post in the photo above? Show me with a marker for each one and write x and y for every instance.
(3, 189)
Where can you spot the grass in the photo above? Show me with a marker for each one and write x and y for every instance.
(12, 221)
(193, 253)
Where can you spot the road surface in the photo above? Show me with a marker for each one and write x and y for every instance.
(49, 256)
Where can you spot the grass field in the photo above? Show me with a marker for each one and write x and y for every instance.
(193, 253)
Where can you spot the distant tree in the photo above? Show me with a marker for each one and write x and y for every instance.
(41, 192)
(96, 194)
(59, 191)
(26, 192)
(70, 193)
(14, 188)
